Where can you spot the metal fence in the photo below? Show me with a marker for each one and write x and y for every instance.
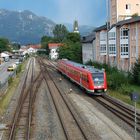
(4, 85)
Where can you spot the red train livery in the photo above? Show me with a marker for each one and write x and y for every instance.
(91, 79)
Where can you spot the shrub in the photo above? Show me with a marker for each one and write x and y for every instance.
(10, 80)
(125, 89)
(19, 68)
(136, 72)
(116, 79)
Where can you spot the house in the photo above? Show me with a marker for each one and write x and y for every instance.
(33, 48)
(5, 56)
(53, 50)
(128, 46)
(119, 44)
(88, 48)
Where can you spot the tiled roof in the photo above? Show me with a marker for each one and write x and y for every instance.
(89, 38)
(51, 45)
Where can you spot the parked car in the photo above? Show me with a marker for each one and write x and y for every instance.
(11, 67)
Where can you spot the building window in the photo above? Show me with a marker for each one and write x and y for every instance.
(124, 33)
(112, 36)
(124, 50)
(103, 36)
(112, 49)
(103, 48)
(127, 6)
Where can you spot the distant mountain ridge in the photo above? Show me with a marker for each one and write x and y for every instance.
(24, 27)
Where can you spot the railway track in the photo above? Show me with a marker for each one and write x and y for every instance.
(73, 127)
(21, 124)
(124, 113)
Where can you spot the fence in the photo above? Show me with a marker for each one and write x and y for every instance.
(4, 85)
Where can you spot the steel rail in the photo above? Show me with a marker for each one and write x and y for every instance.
(83, 133)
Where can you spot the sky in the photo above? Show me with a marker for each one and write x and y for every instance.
(87, 12)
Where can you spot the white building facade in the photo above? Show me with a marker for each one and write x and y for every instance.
(88, 48)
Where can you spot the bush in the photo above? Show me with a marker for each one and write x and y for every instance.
(116, 79)
(19, 68)
(125, 89)
(136, 72)
(10, 80)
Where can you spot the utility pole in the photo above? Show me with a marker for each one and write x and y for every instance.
(107, 42)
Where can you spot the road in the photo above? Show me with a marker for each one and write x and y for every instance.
(3, 70)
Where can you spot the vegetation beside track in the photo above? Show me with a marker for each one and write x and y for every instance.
(13, 84)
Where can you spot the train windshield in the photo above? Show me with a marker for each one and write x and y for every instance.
(98, 79)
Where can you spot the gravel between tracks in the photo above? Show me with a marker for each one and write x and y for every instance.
(46, 121)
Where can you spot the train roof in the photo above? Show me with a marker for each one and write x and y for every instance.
(85, 67)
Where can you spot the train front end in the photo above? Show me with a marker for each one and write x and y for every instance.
(99, 82)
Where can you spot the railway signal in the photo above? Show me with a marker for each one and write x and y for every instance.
(135, 97)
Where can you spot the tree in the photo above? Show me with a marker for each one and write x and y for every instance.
(72, 48)
(136, 72)
(74, 37)
(45, 40)
(71, 51)
(15, 46)
(60, 32)
(4, 45)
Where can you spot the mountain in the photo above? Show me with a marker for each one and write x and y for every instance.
(24, 27)
(83, 29)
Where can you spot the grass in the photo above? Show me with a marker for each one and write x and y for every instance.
(125, 97)
(4, 102)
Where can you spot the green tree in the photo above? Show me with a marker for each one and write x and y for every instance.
(72, 48)
(45, 40)
(60, 32)
(136, 72)
(71, 51)
(4, 45)
(74, 37)
(15, 46)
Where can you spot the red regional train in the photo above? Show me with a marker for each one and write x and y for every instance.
(91, 79)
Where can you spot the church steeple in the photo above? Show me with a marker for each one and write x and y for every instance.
(75, 27)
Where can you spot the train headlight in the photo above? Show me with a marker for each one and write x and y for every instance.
(105, 90)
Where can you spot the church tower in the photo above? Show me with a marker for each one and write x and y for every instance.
(75, 27)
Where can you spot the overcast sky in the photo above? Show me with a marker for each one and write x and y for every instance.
(87, 12)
